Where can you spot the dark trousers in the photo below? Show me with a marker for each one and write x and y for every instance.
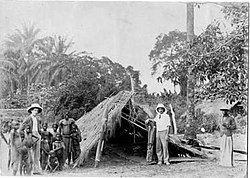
(76, 151)
(151, 142)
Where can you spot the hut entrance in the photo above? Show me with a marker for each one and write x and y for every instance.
(130, 133)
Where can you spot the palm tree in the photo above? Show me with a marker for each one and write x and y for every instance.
(18, 52)
(22, 40)
(53, 63)
(9, 80)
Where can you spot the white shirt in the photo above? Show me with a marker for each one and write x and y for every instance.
(162, 121)
(35, 126)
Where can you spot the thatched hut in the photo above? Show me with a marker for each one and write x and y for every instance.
(115, 117)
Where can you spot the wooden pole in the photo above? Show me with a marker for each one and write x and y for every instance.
(134, 123)
(100, 144)
(217, 148)
(132, 102)
(132, 86)
(173, 117)
(98, 151)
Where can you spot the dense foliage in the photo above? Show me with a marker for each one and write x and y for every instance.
(43, 70)
(167, 53)
(218, 59)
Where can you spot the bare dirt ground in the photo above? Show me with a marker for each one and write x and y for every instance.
(113, 165)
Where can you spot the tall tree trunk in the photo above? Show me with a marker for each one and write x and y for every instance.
(183, 84)
(28, 85)
(190, 132)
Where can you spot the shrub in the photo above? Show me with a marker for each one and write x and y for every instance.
(241, 123)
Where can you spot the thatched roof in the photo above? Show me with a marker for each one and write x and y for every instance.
(91, 123)
(106, 116)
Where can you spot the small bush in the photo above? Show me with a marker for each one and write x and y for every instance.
(209, 122)
(241, 123)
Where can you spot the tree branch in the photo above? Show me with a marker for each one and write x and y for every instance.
(208, 54)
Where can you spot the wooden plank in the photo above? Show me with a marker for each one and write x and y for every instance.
(217, 148)
(133, 123)
(133, 118)
(174, 139)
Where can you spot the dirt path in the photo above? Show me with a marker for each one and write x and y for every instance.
(184, 169)
(113, 166)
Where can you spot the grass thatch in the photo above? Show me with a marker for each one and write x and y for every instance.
(91, 123)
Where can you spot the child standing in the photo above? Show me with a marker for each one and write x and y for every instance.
(45, 149)
(54, 131)
(15, 145)
(58, 148)
(46, 135)
(30, 141)
(76, 139)
(24, 164)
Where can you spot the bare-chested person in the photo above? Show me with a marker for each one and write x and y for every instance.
(65, 126)
(15, 145)
(54, 131)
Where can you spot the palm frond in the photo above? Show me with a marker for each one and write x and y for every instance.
(6, 63)
(38, 63)
(54, 75)
(34, 76)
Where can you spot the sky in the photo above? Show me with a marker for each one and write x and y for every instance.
(124, 31)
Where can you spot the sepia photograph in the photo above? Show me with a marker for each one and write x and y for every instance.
(124, 88)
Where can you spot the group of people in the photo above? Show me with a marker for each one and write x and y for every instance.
(159, 130)
(33, 148)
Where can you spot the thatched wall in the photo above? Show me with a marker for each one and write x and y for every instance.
(91, 123)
